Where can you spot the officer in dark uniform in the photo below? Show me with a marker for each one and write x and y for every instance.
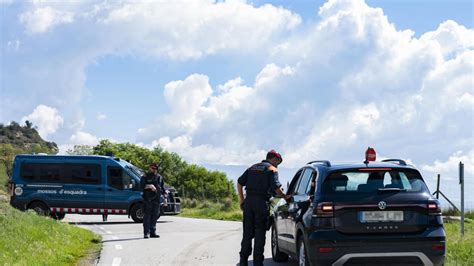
(260, 182)
(152, 184)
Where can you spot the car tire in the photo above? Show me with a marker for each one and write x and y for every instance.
(277, 255)
(137, 213)
(40, 208)
(302, 254)
(58, 215)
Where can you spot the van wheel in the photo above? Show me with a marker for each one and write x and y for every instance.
(40, 208)
(277, 255)
(137, 213)
(58, 215)
(302, 254)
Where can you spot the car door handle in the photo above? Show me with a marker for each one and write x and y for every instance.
(99, 188)
(109, 189)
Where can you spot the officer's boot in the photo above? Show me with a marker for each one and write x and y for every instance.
(243, 261)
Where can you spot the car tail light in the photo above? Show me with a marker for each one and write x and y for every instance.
(324, 209)
(433, 207)
(438, 247)
(325, 250)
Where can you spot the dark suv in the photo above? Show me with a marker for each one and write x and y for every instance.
(367, 213)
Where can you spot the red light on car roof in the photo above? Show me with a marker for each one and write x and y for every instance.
(370, 155)
(375, 169)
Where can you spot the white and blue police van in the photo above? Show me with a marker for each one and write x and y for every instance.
(56, 185)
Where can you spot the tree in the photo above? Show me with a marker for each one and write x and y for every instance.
(28, 124)
(81, 150)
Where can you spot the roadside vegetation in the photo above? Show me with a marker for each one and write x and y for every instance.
(460, 250)
(228, 209)
(29, 239)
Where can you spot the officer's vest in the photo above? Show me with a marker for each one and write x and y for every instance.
(148, 194)
(258, 183)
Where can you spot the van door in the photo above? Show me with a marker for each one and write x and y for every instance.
(120, 190)
(83, 190)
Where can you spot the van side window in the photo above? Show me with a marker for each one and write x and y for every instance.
(28, 171)
(50, 173)
(83, 174)
(119, 179)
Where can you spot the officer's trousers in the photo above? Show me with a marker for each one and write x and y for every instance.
(151, 209)
(255, 220)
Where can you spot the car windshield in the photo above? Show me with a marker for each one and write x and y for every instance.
(375, 181)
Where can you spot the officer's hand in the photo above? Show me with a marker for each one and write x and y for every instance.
(288, 198)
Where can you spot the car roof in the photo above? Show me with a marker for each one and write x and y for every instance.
(326, 167)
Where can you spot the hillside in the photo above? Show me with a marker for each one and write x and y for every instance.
(16, 139)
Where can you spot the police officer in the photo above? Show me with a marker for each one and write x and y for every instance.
(260, 182)
(152, 184)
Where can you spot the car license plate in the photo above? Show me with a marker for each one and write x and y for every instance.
(381, 216)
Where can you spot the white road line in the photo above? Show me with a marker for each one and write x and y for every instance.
(118, 247)
(101, 227)
(114, 238)
(116, 261)
(108, 232)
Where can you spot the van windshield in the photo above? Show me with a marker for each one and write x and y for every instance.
(377, 181)
(135, 170)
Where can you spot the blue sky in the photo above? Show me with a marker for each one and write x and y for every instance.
(222, 83)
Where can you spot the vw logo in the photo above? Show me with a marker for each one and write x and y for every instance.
(382, 205)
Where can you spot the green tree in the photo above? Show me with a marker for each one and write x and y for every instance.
(81, 150)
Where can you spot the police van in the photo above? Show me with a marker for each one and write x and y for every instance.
(55, 185)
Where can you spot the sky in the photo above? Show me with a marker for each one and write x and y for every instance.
(222, 82)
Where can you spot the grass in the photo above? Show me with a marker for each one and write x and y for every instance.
(227, 210)
(3, 178)
(29, 239)
(459, 250)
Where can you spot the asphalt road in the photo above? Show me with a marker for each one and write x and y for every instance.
(183, 241)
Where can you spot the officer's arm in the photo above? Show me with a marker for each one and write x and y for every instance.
(276, 183)
(241, 193)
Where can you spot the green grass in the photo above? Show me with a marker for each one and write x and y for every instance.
(228, 210)
(3, 178)
(29, 239)
(459, 250)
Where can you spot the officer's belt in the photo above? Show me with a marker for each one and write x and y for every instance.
(262, 195)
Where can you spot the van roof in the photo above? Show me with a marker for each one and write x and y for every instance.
(63, 157)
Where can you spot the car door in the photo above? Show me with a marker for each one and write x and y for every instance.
(295, 207)
(120, 189)
(283, 214)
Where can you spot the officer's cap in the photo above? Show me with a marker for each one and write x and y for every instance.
(273, 153)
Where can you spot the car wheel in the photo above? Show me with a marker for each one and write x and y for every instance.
(40, 208)
(277, 255)
(302, 255)
(137, 213)
(58, 215)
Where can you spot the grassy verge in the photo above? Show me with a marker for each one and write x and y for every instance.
(459, 250)
(28, 239)
(3, 178)
(226, 210)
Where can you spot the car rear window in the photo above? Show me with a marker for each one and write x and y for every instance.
(378, 180)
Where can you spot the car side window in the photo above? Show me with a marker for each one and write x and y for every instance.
(305, 179)
(311, 188)
(294, 182)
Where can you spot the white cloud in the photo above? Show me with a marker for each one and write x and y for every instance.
(449, 169)
(46, 118)
(355, 81)
(43, 19)
(101, 116)
(84, 138)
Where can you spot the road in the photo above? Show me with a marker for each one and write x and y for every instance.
(183, 241)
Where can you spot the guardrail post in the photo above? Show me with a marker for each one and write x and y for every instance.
(461, 181)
